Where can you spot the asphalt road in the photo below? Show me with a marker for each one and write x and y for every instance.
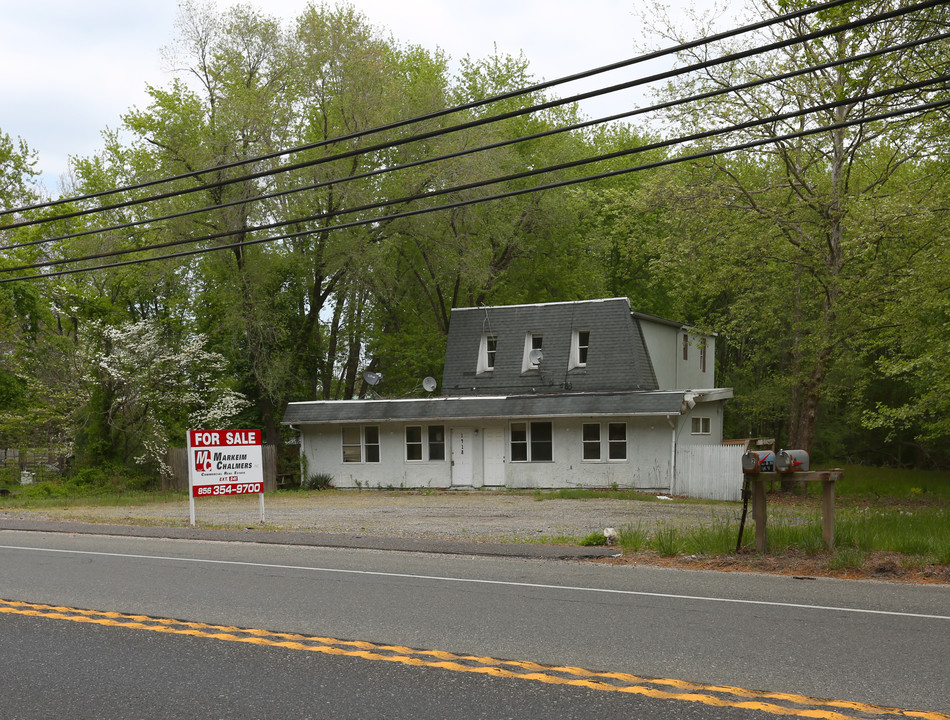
(864, 642)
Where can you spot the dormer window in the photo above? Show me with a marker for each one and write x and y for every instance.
(486, 353)
(532, 351)
(580, 342)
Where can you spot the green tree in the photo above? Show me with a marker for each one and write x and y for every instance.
(805, 210)
(147, 387)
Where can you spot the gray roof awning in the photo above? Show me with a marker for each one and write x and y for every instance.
(645, 403)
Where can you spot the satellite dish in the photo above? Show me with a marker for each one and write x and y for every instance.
(371, 378)
(535, 356)
(429, 384)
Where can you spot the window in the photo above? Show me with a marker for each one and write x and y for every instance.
(702, 355)
(352, 445)
(533, 341)
(413, 442)
(686, 346)
(542, 441)
(425, 446)
(701, 426)
(361, 442)
(580, 341)
(616, 441)
(583, 342)
(371, 443)
(486, 353)
(437, 442)
(519, 442)
(590, 435)
(532, 442)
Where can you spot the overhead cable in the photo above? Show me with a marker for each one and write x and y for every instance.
(713, 152)
(454, 128)
(448, 111)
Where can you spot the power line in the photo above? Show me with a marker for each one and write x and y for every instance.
(508, 178)
(920, 108)
(455, 128)
(440, 113)
(381, 204)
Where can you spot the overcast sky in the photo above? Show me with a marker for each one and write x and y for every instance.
(69, 70)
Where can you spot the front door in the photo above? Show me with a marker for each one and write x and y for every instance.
(463, 468)
(494, 442)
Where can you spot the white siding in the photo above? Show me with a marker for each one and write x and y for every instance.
(711, 472)
(646, 467)
(665, 345)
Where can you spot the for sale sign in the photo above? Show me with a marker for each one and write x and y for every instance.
(225, 462)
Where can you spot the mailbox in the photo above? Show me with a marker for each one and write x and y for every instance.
(791, 461)
(754, 462)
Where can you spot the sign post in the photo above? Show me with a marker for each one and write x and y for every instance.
(223, 463)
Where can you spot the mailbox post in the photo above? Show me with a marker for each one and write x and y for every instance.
(788, 463)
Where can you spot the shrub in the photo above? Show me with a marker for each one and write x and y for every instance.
(595, 538)
(318, 481)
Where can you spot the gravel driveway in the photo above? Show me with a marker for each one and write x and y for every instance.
(484, 516)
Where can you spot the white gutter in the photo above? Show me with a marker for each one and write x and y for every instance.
(670, 419)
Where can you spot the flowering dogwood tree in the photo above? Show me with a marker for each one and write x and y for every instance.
(151, 388)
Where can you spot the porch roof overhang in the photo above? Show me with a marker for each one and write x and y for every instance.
(483, 407)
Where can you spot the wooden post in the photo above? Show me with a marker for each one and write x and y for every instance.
(828, 508)
(759, 512)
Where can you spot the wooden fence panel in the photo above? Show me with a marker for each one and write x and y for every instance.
(711, 472)
(177, 459)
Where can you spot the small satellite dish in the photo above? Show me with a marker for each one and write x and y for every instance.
(535, 356)
(371, 378)
(429, 384)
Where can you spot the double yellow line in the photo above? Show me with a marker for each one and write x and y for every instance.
(665, 689)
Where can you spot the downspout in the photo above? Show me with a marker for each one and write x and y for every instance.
(689, 402)
(672, 422)
(302, 460)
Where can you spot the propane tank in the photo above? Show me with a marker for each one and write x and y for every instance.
(790, 461)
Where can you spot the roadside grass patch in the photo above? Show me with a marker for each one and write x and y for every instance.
(846, 559)
(784, 536)
(921, 531)
(65, 494)
(667, 541)
(632, 538)
(716, 539)
(594, 539)
(880, 483)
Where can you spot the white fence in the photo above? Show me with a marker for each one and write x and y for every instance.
(711, 472)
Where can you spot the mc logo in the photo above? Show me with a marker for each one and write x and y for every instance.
(202, 460)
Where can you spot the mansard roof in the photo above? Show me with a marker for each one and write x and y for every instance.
(617, 357)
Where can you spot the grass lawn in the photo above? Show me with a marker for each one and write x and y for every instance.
(891, 524)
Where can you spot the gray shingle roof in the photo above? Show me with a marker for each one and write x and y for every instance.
(617, 358)
(657, 403)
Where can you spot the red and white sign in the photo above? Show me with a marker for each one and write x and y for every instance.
(225, 462)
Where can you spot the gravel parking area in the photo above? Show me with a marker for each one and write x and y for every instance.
(473, 516)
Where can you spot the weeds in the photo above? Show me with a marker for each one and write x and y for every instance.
(632, 539)
(595, 538)
(846, 559)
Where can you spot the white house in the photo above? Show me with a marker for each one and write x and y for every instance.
(573, 394)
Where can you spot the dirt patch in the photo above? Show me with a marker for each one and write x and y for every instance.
(875, 566)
